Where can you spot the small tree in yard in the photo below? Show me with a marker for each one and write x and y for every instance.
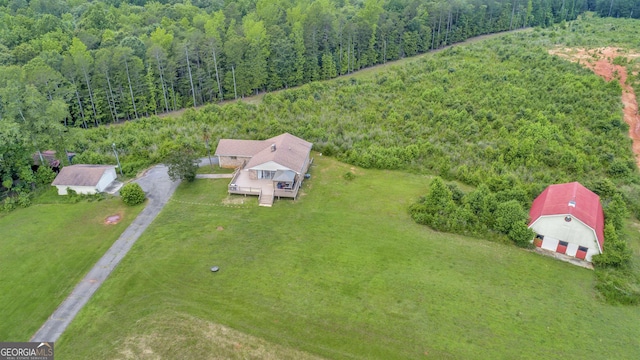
(182, 165)
(520, 234)
(132, 194)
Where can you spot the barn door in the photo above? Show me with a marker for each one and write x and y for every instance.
(582, 252)
(562, 247)
(537, 241)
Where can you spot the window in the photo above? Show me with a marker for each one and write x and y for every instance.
(266, 174)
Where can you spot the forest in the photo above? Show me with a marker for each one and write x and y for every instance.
(74, 64)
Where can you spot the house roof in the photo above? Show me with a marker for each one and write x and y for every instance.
(50, 157)
(570, 199)
(286, 150)
(243, 148)
(81, 175)
(284, 175)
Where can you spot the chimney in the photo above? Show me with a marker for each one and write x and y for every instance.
(273, 147)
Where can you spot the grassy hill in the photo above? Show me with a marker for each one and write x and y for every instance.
(45, 250)
(341, 273)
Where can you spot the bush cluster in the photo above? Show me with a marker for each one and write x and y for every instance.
(132, 194)
(478, 213)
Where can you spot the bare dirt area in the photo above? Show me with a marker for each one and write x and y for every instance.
(113, 219)
(601, 62)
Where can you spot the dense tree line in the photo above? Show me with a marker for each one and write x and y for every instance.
(615, 8)
(71, 63)
(115, 60)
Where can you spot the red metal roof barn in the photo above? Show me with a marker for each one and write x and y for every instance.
(568, 219)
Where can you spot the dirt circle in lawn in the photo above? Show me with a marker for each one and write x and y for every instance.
(113, 219)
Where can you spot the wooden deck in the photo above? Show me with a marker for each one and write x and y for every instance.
(241, 183)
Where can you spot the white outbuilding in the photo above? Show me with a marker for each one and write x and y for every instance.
(568, 219)
(84, 179)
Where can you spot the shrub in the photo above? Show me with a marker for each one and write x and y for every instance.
(9, 204)
(132, 194)
(436, 208)
(45, 175)
(521, 235)
(507, 215)
(73, 196)
(349, 176)
(24, 199)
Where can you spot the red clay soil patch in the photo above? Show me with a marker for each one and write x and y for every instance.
(600, 61)
(113, 219)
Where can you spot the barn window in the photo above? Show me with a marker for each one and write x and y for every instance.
(563, 243)
(582, 248)
(233, 157)
(567, 218)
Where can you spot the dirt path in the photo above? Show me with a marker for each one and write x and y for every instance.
(600, 61)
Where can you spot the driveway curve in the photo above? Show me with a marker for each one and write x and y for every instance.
(159, 188)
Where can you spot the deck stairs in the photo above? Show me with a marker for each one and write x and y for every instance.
(266, 200)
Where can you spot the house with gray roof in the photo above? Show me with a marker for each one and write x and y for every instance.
(267, 168)
(84, 179)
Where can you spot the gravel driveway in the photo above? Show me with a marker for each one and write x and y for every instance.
(159, 188)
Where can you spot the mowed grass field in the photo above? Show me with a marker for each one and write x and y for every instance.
(341, 273)
(45, 250)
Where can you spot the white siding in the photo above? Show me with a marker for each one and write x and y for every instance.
(87, 190)
(590, 253)
(576, 233)
(106, 179)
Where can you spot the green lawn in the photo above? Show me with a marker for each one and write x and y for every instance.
(45, 250)
(341, 273)
(215, 169)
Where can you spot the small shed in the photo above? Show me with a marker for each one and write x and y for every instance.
(84, 179)
(568, 219)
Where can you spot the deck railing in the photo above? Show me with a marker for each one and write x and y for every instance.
(291, 193)
(246, 190)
